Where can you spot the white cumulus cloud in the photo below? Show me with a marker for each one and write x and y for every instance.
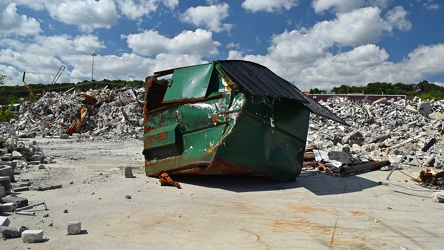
(269, 6)
(86, 14)
(337, 5)
(150, 42)
(135, 9)
(397, 17)
(12, 23)
(208, 17)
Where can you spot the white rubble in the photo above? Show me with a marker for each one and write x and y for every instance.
(384, 130)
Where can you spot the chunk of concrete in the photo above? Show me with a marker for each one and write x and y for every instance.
(74, 227)
(31, 236)
(438, 197)
(18, 201)
(6, 170)
(7, 207)
(129, 172)
(5, 181)
(64, 136)
(9, 232)
(45, 186)
(4, 221)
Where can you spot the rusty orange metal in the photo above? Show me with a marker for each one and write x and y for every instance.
(78, 124)
(87, 99)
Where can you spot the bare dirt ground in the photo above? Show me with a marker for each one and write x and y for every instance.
(317, 211)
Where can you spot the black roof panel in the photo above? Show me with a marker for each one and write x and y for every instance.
(259, 80)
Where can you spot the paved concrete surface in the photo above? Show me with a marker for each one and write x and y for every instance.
(317, 211)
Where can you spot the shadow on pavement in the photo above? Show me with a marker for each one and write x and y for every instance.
(317, 183)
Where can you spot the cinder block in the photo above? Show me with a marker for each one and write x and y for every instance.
(18, 201)
(4, 221)
(129, 172)
(74, 227)
(64, 136)
(7, 207)
(31, 236)
(5, 181)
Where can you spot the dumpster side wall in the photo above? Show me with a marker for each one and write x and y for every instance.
(268, 137)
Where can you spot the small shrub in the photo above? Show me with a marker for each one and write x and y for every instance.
(6, 115)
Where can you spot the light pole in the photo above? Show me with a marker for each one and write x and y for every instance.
(92, 68)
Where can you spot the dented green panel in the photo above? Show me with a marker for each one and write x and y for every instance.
(189, 82)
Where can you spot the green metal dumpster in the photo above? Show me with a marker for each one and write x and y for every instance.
(226, 117)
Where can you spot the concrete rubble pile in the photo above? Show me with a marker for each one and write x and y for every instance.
(97, 114)
(16, 155)
(404, 132)
(106, 113)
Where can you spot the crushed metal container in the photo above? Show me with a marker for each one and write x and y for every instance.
(226, 117)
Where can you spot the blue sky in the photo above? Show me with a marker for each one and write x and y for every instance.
(313, 44)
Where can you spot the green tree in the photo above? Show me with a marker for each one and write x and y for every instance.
(2, 77)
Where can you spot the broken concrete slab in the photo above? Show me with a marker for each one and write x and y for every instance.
(9, 232)
(44, 186)
(18, 201)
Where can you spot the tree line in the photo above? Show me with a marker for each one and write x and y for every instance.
(19, 93)
(424, 89)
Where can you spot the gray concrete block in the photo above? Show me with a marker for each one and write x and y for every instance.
(6, 170)
(129, 172)
(74, 227)
(7, 207)
(64, 136)
(9, 232)
(4, 221)
(31, 236)
(5, 181)
(18, 201)
(12, 164)
(2, 192)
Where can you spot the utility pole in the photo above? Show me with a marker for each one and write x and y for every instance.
(92, 68)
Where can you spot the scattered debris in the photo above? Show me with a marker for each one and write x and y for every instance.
(362, 167)
(431, 180)
(25, 213)
(43, 187)
(105, 113)
(165, 180)
(32, 206)
(393, 128)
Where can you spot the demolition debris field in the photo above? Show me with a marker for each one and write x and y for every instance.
(318, 211)
(81, 178)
